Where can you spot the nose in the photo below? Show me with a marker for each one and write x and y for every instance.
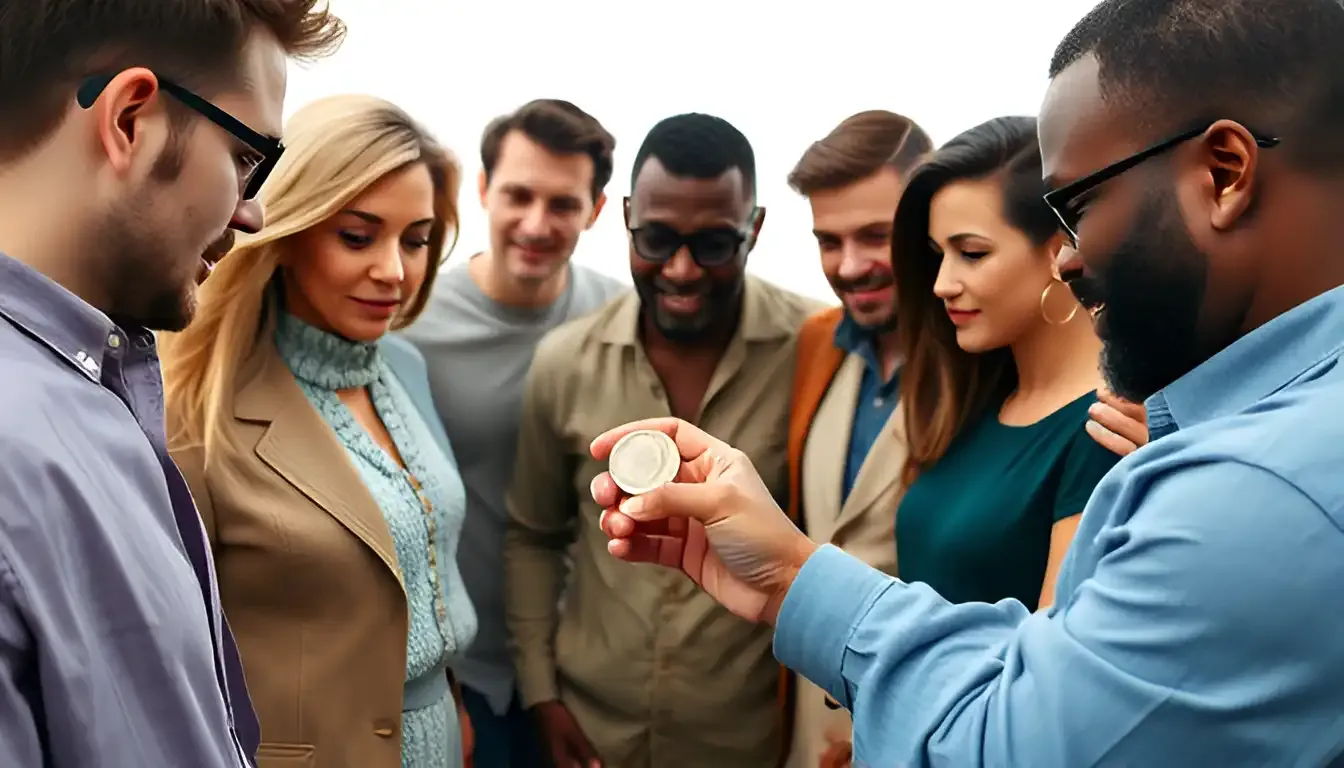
(534, 223)
(948, 284)
(855, 261)
(248, 217)
(681, 268)
(388, 266)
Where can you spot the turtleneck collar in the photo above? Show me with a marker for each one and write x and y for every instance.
(324, 359)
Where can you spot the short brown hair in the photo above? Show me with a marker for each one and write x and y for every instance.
(560, 127)
(48, 46)
(859, 147)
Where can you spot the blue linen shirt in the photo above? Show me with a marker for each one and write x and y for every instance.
(1198, 620)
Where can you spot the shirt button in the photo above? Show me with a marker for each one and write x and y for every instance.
(114, 341)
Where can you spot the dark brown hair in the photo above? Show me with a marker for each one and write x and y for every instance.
(944, 388)
(561, 128)
(857, 148)
(48, 46)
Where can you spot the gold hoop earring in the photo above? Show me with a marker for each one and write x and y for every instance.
(1045, 296)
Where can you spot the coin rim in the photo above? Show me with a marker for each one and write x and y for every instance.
(636, 490)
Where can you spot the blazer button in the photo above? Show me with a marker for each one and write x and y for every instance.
(384, 728)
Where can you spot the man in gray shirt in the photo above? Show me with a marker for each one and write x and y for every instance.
(544, 169)
(118, 188)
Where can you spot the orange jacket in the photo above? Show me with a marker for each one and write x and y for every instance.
(818, 361)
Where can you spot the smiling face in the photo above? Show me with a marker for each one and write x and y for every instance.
(352, 274)
(685, 299)
(538, 203)
(990, 275)
(853, 226)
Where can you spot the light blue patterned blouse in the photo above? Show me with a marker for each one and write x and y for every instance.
(442, 620)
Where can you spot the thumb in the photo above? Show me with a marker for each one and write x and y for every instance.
(697, 501)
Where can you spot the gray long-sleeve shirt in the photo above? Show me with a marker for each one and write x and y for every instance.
(113, 647)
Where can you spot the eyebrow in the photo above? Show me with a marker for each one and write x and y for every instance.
(962, 237)
(879, 225)
(374, 218)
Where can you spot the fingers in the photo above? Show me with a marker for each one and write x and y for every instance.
(691, 441)
(1121, 424)
(1133, 410)
(696, 501)
(1109, 440)
(660, 550)
(618, 525)
(605, 491)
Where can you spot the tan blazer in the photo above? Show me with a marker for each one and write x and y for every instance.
(308, 577)
(826, 390)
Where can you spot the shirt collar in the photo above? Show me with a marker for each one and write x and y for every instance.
(1253, 367)
(57, 318)
(854, 339)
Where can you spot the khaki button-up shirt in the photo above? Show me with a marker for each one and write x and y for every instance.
(653, 670)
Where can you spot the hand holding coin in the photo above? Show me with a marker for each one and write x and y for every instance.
(675, 496)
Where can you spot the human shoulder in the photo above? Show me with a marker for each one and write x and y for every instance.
(1293, 434)
(787, 308)
(51, 413)
(570, 342)
(593, 289)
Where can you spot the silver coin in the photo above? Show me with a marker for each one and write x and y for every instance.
(643, 460)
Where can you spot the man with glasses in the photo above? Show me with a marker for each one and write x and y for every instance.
(133, 139)
(634, 667)
(1198, 617)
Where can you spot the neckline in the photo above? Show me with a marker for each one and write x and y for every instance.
(323, 359)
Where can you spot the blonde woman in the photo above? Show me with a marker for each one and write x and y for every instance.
(327, 488)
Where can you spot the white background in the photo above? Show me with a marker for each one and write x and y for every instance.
(783, 73)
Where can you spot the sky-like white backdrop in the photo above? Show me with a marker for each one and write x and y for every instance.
(784, 73)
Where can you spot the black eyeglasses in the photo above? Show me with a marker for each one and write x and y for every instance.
(268, 148)
(1061, 200)
(657, 243)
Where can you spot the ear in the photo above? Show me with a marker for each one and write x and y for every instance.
(482, 183)
(625, 210)
(597, 209)
(1054, 248)
(120, 112)
(758, 221)
(1231, 157)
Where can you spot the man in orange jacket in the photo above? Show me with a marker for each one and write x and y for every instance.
(844, 473)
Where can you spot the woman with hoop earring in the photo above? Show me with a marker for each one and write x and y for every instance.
(1000, 377)
(1002, 368)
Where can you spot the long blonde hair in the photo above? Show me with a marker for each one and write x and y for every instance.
(335, 148)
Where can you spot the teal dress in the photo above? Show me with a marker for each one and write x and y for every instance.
(976, 525)
(425, 531)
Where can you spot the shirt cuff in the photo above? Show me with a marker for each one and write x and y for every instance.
(536, 683)
(830, 595)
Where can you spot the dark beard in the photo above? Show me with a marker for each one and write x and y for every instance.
(1152, 287)
(148, 284)
(721, 301)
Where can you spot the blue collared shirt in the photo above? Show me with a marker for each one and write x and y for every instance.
(1199, 619)
(113, 647)
(877, 398)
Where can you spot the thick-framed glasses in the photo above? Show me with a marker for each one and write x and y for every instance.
(657, 243)
(268, 148)
(1062, 201)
